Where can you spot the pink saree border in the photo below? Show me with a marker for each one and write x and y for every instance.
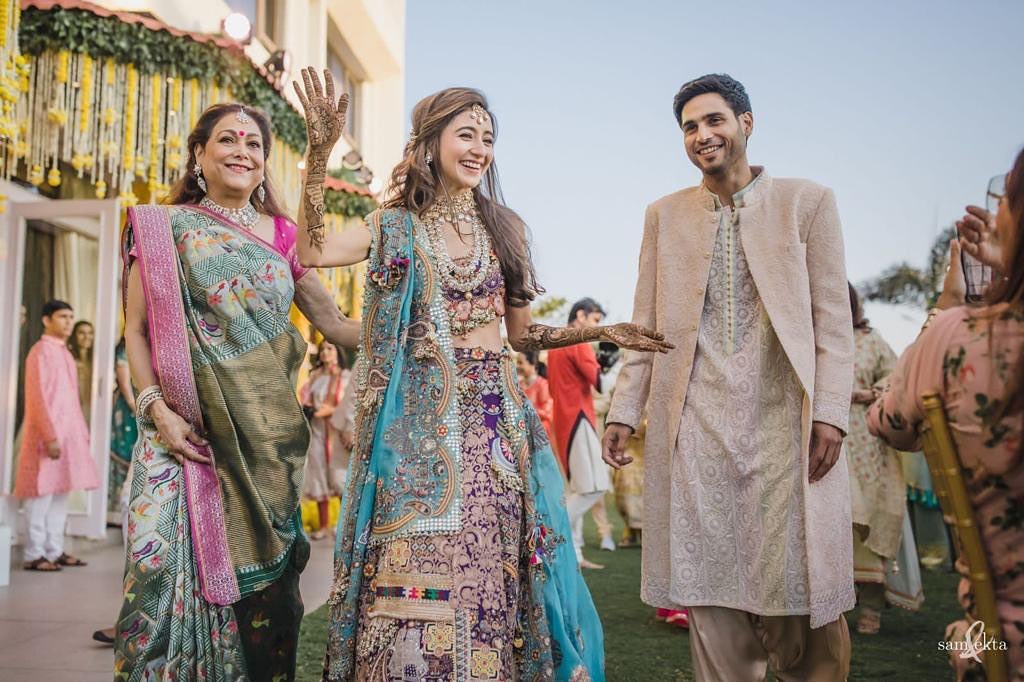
(172, 363)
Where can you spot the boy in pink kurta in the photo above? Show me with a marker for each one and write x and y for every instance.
(54, 457)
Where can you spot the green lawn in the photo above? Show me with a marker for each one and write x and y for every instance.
(640, 648)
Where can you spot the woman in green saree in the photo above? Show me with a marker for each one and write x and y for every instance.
(451, 560)
(214, 540)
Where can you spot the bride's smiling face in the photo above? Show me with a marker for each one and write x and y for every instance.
(466, 151)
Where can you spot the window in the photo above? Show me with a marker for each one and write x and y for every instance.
(344, 78)
(265, 17)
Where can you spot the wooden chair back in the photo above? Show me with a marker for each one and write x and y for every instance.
(951, 491)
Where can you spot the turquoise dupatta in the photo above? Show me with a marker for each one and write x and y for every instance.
(405, 370)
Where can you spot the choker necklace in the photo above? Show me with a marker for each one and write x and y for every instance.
(247, 216)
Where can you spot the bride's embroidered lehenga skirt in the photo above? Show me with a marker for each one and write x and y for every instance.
(445, 607)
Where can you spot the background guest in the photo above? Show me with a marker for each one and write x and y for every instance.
(326, 459)
(971, 357)
(80, 344)
(123, 433)
(877, 492)
(54, 458)
(535, 387)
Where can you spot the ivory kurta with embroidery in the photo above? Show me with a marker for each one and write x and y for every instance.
(737, 521)
(792, 242)
(877, 491)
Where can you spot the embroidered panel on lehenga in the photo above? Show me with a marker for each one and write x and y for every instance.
(445, 607)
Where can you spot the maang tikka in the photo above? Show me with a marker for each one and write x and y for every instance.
(243, 116)
(479, 114)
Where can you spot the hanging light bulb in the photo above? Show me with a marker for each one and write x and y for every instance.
(237, 27)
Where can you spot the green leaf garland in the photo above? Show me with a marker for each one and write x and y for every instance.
(160, 52)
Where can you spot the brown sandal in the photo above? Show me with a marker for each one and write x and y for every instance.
(41, 564)
(68, 560)
(870, 621)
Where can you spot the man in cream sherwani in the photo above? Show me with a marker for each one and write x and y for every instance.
(747, 510)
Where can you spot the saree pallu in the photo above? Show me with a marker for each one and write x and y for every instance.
(453, 559)
(214, 551)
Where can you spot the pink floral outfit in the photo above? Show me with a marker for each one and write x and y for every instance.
(968, 357)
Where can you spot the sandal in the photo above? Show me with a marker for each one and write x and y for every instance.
(870, 621)
(681, 619)
(104, 636)
(68, 560)
(41, 564)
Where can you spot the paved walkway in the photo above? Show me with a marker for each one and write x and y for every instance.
(47, 620)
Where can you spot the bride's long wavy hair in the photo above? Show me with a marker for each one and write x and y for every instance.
(416, 185)
(187, 191)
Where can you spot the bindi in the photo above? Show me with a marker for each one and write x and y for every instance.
(241, 133)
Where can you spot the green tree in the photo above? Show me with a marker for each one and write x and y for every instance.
(906, 284)
(549, 308)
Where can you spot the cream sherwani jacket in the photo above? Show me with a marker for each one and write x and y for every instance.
(792, 239)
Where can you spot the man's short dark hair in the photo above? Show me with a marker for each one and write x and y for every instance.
(587, 305)
(731, 90)
(54, 306)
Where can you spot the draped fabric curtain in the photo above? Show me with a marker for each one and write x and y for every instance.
(75, 259)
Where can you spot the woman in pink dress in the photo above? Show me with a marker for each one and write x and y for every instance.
(971, 357)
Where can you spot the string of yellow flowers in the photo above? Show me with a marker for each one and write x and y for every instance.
(131, 100)
(154, 135)
(86, 85)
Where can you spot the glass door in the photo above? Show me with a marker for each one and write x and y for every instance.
(67, 250)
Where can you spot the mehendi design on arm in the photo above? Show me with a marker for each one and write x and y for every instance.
(313, 200)
(543, 337)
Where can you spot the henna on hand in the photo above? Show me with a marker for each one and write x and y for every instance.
(325, 120)
(543, 337)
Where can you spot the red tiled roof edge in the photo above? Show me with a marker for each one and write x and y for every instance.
(344, 186)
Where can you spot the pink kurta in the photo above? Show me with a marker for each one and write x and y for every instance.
(53, 410)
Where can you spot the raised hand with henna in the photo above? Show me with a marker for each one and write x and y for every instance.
(325, 119)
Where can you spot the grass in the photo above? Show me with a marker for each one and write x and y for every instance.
(637, 647)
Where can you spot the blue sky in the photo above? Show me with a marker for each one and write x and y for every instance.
(904, 108)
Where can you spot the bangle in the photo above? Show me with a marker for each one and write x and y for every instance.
(145, 401)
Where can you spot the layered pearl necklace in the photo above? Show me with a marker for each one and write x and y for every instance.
(459, 210)
(247, 216)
